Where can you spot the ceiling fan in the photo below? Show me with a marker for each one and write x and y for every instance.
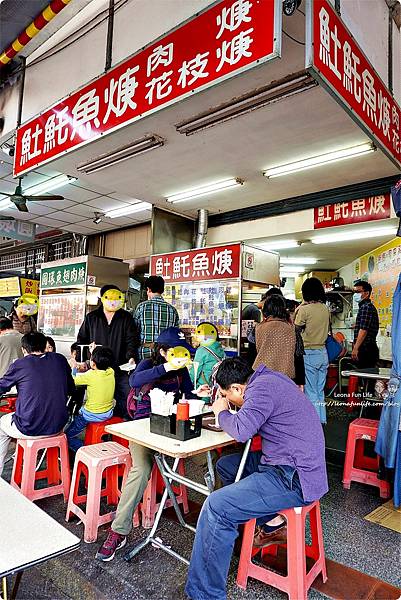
(19, 199)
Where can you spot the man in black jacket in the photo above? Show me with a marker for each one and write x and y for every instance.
(110, 325)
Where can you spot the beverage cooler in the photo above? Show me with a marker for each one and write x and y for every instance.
(69, 289)
(215, 284)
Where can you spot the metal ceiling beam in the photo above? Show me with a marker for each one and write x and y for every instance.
(320, 198)
(40, 21)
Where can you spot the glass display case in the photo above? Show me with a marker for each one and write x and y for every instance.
(215, 284)
(69, 289)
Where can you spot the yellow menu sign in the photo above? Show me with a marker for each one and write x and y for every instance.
(9, 287)
(13, 287)
(381, 268)
(29, 286)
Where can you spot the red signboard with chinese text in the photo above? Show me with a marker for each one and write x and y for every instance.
(220, 262)
(373, 208)
(229, 37)
(340, 63)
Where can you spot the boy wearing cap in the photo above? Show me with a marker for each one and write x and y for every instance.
(154, 372)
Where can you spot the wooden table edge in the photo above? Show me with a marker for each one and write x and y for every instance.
(178, 454)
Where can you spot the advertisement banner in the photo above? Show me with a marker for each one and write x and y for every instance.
(220, 42)
(372, 208)
(337, 61)
(221, 262)
(17, 230)
(62, 276)
(381, 267)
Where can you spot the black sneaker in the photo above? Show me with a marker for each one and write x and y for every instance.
(113, 542)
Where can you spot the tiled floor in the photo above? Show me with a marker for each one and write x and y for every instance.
(153, 575)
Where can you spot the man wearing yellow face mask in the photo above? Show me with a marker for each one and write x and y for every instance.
(110, 325)
(22, 315)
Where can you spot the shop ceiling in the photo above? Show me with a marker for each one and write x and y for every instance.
(303, 125)
(330, 256)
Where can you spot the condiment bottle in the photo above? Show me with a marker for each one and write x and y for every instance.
(183, 410)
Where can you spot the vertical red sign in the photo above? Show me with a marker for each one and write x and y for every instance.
(340, 64)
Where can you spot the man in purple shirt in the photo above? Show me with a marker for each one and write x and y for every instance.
(289, 471)
(43, 381)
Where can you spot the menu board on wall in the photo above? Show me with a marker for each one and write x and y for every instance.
(381, 268)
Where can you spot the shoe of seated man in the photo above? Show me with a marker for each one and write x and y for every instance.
(113, 542)
(262, 538)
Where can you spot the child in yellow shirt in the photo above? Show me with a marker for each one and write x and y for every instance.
(100, 384)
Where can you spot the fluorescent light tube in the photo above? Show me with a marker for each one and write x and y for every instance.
(290, 273)
(358, 234)
(302, 260)
(280, 245)
(322, 159)
(293, 269)
(245, 104)
(128, 210)
(49, 185)
(205, 190)
(134, 148)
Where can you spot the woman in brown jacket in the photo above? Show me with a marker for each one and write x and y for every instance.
(275, 338)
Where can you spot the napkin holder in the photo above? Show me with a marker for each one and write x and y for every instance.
(178, 430)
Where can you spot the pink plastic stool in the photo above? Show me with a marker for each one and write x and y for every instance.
(97, 462)
(57, 473)
(298, 580)
(149, 505)
(357, 466)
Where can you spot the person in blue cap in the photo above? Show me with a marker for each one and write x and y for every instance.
(163, 370)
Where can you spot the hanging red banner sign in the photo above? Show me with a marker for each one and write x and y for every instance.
(221, 262)
(339, 63)
(224, 40)
(373, 208)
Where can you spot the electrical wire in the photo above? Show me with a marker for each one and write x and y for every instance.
(85, 30)
(293, 39)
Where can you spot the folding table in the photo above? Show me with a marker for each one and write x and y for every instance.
(29, 536)
(139, 433)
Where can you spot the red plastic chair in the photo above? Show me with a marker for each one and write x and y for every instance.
(358, 466)
(96, 431)
(298, 580)
(149, 505)
(8, 405)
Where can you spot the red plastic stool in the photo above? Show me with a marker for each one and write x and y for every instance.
(353, 383)
(95, 431)
(357, 466)
(9, 404)
(149, 505)
(298, 580)
(97, 462)
(57, 473)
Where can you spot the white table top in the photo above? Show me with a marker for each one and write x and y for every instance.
(139, 432)
(28, 534)
(368, 373)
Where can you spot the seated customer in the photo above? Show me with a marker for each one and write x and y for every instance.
(50, 344)
(10, 345)
(100, 386)
(43, 381)
(154, 372)
(275, 338)
(289, 471)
